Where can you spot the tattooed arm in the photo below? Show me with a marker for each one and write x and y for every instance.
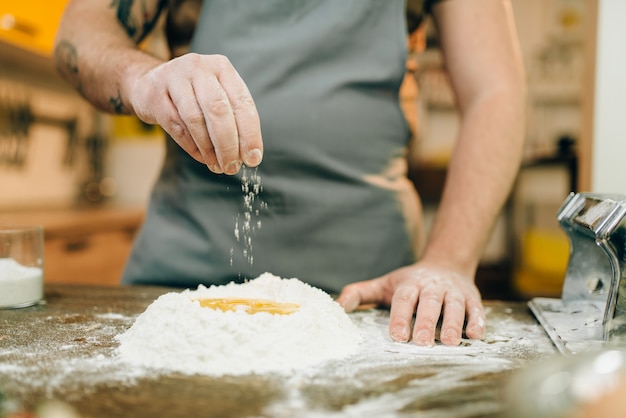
(200, 100)
(98, 72)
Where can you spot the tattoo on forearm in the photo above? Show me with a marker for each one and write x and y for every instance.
(66, 62)
(125, 17)
(151, 16)
(117, 104)
(137, 29)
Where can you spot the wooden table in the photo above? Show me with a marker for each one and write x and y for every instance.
(64, 350)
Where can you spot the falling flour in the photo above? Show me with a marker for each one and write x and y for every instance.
(175, 333)
(248, 223)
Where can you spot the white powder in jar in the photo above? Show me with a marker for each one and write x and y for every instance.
(19, 285)
(175, 333)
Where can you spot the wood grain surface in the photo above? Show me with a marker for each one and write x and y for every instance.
(64, 350)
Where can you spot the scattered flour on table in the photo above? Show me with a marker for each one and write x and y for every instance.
(176, 334)
(80, 356)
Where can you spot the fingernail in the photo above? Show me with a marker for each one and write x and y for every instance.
(450, 336)
(233, 168)
(422, 338)
(216, 169)
(254, 157)
(349, 304)
(399, 335)
(476, 332)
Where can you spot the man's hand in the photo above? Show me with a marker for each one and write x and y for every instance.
(205, 106)
(428, 291)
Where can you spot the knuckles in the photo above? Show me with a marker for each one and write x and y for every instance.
(219, 107)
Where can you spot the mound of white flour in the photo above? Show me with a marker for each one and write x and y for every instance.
(176, 334)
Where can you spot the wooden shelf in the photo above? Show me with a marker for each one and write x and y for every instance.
(83, 246)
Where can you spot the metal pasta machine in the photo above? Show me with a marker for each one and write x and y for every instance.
(592, 310)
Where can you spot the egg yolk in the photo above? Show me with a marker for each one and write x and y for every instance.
(250, 306)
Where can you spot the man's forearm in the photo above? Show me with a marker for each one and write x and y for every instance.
(481, 173)
(96, 50)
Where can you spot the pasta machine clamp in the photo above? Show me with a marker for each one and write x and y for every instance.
(591, 312)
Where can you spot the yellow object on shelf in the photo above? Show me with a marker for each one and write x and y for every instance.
(543, 263)
(31, 24)
(131, 128)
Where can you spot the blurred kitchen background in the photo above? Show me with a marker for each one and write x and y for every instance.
(86, 175)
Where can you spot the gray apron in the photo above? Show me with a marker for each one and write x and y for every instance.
(335, 205)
